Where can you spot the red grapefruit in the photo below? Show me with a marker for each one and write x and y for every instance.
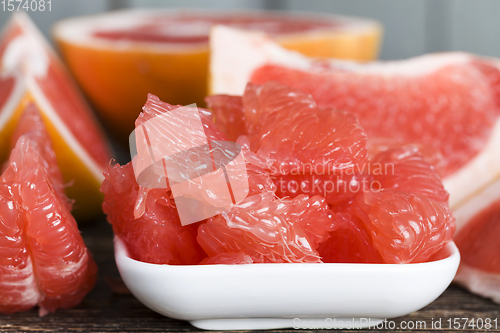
(120, 57)
(269, 230)
(44, 260)
(32, 73)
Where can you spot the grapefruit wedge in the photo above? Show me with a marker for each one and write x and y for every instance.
(43, 259)
(478, 232)
(32, 73)
(449, 102)
(120, 57)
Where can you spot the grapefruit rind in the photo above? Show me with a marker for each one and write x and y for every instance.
(479, 282)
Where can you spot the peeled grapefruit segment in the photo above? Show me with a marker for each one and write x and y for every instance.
(269, 230)
(307, 149)
(44, 260)
(32, 73)
(350, 243)
(457, 93)
(403, 217)
(157, 236)
(118, 58)
(405, 227)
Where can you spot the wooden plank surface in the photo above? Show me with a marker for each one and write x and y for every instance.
(106, 311)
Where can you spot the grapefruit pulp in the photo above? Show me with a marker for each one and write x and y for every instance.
(400, 213)
(32, 73)
(43, 259)
(120, 57)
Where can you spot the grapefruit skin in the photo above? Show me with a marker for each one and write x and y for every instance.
(79, 143)
(269, 230)
(44, 259)
(459, 101)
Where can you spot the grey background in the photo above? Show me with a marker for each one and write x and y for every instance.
(412, 27)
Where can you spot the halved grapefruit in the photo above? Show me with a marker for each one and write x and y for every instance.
(120, 57)
(450, 102)
(32, 73)
(43, 259)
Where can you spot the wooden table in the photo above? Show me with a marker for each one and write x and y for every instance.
(106, 311)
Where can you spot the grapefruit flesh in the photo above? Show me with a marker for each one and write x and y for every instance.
(308, 150)
(405, 227)
(269, 230)
(404, 218)
(44, 260)
(146, 219)
(350, 243)
(401, 213)
(477, 240)
(450, 105)
(287, 127)
(32, 73)
(157, 236)
(118, 58)
(446, 101)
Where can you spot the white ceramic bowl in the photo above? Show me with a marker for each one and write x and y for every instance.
(266, 296)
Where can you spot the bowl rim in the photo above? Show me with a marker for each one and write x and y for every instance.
(450, 248)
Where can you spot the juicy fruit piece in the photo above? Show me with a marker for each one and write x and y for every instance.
(350, 243)
(483, 228)
(157, 236)
(287, 127)
(118, 58)
(477, 240)
(229, 114)
(32, 73)
(457, 93)
(405, 227)
(146, 219)
(44, 260)
(405, 169)
(269, 230)
(295, 137)
(404, 217)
